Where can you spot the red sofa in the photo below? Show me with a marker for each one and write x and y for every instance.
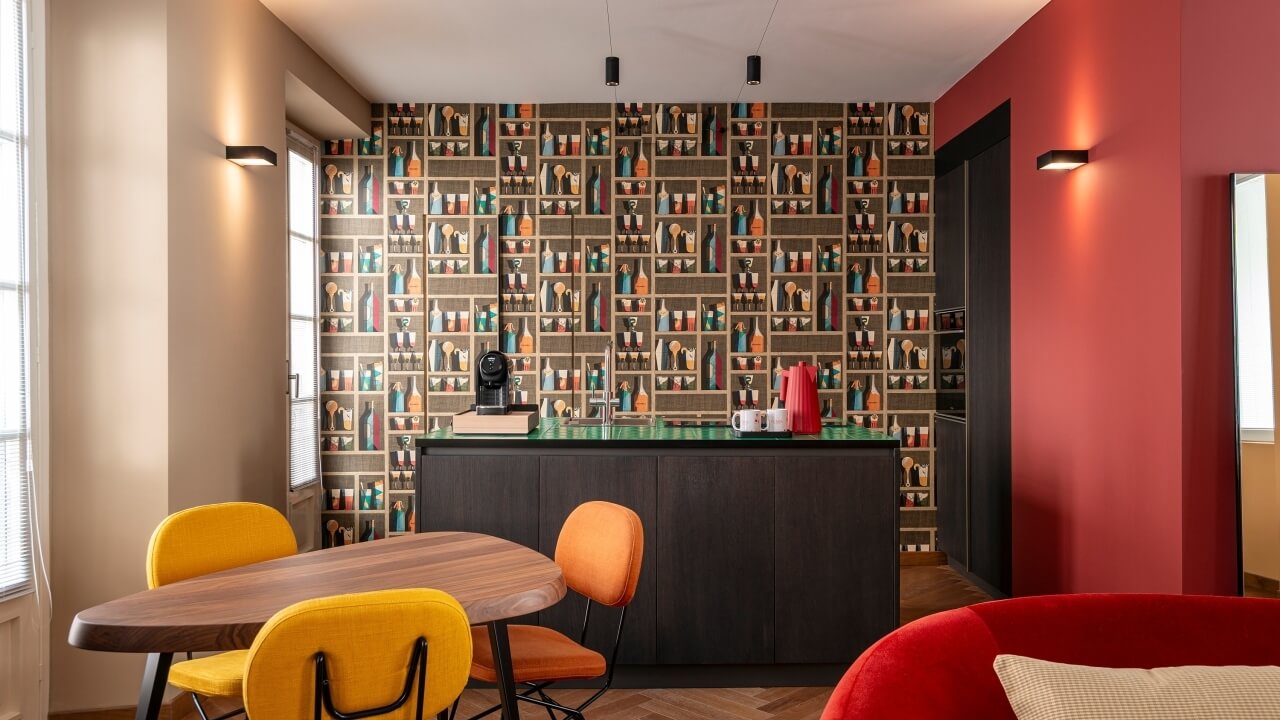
(939, 667)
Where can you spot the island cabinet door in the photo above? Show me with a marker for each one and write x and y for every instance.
(491, 494)
(715, 560)
(837, 556)
(567, 481)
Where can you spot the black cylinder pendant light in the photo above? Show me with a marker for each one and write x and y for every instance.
(611, 71)
(753, 69)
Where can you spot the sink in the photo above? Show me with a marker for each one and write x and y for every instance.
(697, 422)
(617, 422)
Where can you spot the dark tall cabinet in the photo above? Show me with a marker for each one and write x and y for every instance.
(974, 466)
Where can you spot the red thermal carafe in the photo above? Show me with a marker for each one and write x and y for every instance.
(800, 392)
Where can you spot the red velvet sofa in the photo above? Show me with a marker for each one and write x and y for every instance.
(939, 667)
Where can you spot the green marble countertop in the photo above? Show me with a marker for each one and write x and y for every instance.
(551, 433)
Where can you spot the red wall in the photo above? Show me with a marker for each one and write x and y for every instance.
(1103, 499)
(1228, 59)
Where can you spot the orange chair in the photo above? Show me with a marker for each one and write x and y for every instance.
(599, 550)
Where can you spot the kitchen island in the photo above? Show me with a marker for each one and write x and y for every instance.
(767, 561)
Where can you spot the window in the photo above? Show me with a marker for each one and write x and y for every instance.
(1253, 311)
(16, 516)
(304, 368)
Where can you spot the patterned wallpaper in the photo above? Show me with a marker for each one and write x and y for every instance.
(713, 243)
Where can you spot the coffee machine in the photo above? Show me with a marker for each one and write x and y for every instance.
(493, 384)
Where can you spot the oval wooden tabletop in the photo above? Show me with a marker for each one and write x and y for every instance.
(493, 579)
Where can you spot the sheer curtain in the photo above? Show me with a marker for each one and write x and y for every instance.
(15, 457)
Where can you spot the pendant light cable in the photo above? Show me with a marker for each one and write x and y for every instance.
(758, 45)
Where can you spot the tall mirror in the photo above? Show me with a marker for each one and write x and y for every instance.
(1256, 259)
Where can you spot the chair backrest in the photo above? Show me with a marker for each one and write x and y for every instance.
(600, 549)
(209, 538)
(367, 640)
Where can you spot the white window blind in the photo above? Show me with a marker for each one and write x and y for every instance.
(1253, 310)
(15, 470)
(304, 366)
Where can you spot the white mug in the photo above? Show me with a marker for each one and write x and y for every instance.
(747, 420)
(776, 420)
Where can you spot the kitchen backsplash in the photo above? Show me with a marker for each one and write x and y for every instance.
(713, 243)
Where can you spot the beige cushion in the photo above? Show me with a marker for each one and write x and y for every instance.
(1042, 690)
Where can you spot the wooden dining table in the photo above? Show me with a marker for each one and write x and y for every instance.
(493, 579)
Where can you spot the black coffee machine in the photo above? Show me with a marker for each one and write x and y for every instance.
(493, 384)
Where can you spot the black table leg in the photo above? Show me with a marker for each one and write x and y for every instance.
(502, 664)
(154, 679)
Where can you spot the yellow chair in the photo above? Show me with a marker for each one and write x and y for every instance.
(600, 550)
(360, 655)
(204, 540)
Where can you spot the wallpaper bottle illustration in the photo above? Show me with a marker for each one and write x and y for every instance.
(711, 133)
(548, 375)
(664, 316)
(397, 162)
(368, 533)
(396, 399)
(369, 427)
(368, 192)
(524, 343)
(873, 396)
(624, 162)
(548, 141)
(642, 163)
(507, 221)
(779, 257)
(711, 248)
(895, 430)
(624, 279)
(370, 310)
(895, 204)
(711, 381)
(484, 141)
(435, 201)
(739, 338)
(624, 397)
(739, 220)
(826, 192)
(524, 224)
(413, 281)
(779, 140)
(755, 340)
(641, 280)
(397, 279)
(595, 320)
(873, 163)
(414, 168)
(413, 399)
(826, 309)
(664, 199)
(641, 400)
(595, 198)
(873, 279)
(548, 257)
(508, 341)
(757, 220)
(857, 161)
(856, 396)
(855, 277)
(486, 251)
(435, 317)
(777, 373)
(397, 516)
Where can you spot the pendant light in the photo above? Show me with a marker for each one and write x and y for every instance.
(612, 66)
(753, 61)
(611, 71)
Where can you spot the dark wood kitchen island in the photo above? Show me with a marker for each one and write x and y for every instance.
(767, 562)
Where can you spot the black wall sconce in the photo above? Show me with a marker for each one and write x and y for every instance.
(245, 155)
(753, 69)
(611, 71)
(1062, 160)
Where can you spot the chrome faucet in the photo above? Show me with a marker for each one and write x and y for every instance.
(606, 402)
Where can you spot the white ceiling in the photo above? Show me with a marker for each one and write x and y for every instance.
(553, 50)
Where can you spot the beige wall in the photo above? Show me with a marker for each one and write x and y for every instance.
(167, 286)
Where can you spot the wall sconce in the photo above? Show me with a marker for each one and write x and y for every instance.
(245, 155)
(1062, 160)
